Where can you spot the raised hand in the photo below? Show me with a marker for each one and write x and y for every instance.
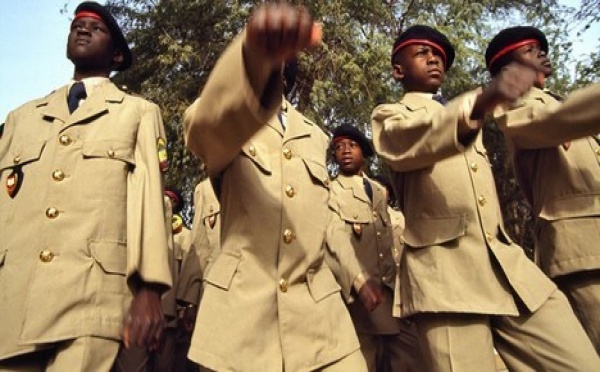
(279, 31)
(509, 85)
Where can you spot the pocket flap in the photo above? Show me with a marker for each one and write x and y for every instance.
(318, 171)
(111, 256)
(119, 150)
(258, 157)
(26, 154)
(321, 283)
(222, 270)
(354, 215)
(423, 232)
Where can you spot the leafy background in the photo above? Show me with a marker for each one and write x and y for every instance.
(177, 42)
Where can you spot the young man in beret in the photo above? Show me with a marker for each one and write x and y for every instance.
(557, 165)
(81, 167)
(274, 192)
(387, 343)
(463, 282)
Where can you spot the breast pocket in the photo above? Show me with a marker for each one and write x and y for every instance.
(321, 284)
(223, 270)
(104, 169)
(318, 172)
(424, 232)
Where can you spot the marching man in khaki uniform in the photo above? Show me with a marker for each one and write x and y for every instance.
(204, 247)
(363, 206)
(557, 164)
(81, 166)
(467, 287)
(270, 302)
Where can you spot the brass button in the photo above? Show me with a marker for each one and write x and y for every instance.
(287, 153)
(288, 236)
(384, 278)
(489, 237)
(374, 214)
(252, 150)
(65, 140)
(52, 212)
(474, 166)
(289, 191)
(482, 200)
(111, 153)
(326, 181)
(598, 151)
(381, 256)
(355, 216)
(211, 209)
(283, 285)
(46, 256)
(58, 175)
(17, 159)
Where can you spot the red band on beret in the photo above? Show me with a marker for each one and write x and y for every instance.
(422, 41)
(172, 195)
(339, 138)
(86, 13)
(509, 48)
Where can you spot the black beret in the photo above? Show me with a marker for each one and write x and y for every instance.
(351, 132)
(113, 26)
(421, 34)
(508, 40)
(176, 198)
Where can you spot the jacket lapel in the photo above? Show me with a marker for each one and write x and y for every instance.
(95, 105)
(355, 184)
(378, 196)
(414, 102)
(296, 126)
(54, 105)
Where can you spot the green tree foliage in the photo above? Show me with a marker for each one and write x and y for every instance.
(177, 42)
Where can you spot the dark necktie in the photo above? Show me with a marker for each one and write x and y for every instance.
(368, 189)
(440, 99)
(76, 94)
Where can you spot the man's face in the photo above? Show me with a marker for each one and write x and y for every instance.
(349, 156)
(532, 55)
(420, 68)
(90, 45)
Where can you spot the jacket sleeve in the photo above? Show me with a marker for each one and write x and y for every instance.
(532, 124)
(239, 98)
(409, 140)
(147, 247)
(339, 253)
(189, 287)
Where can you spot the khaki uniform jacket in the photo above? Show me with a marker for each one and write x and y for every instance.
(458, 258)
(90, 181)
(398, 225)
(562, 183)
(270, 303)
(177, 243)
(204, 243)
(368, 225)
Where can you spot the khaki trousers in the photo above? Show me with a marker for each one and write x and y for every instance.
(83, 354)
(583, 291)
(550, 340)
(134, 359)
(393, 353)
